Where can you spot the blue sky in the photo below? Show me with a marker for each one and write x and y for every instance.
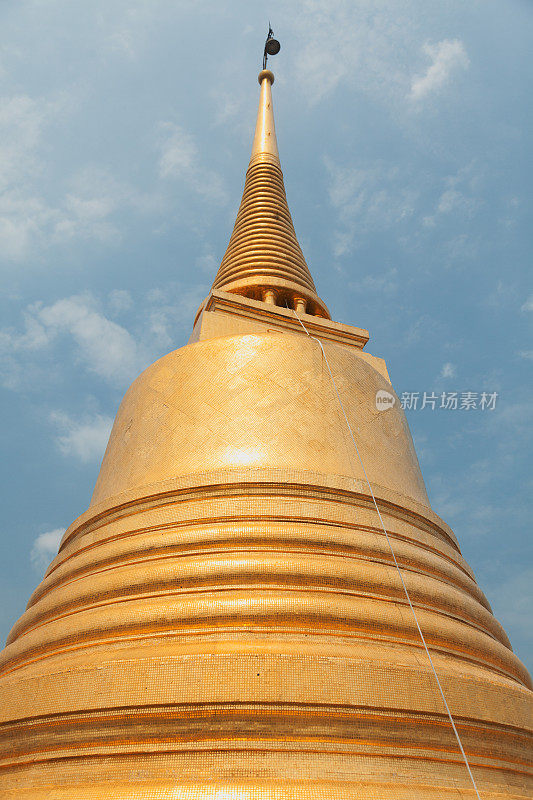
(125, 131)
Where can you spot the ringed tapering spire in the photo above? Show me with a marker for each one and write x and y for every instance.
(264, 260)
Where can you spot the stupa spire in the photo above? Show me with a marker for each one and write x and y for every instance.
(265, 143)
(264, 260)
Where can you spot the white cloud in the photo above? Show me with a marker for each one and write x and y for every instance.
(24, 213)
(91, 207)
(367, 200)
(104, 346)
(386, 282)
(119, 300)
(513, 419)
(16, 348)
(178, 151)
(230, 106)
(528, 305)
(208, 263)
(470, 497)
(45, 548)
(84, 439)
(22, 121)
(122, 42)
(22, 220)
(32, 216)
(448, 370)
(352, 41)
(447, 56)
(422, 327)
(452, 200)
(166, 318)
(503, 295)
(461, 195)
(179, 159)
(124, 28)
(34, 336)
(98, 344)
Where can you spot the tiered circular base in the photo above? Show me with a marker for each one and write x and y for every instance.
(244, 634)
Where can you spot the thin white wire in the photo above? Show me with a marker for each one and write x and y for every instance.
(422, 637)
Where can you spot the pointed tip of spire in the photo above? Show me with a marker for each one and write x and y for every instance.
(265, 146)
(263, 260)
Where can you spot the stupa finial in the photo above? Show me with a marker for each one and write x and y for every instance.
(263, 260)
(272, 46)
(265, 144)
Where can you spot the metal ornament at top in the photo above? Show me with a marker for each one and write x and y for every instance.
(272, 46)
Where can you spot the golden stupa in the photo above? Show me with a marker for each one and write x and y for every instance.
(227, 620)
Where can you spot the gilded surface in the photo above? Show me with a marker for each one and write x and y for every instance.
(263, 253)
(225, 621)
(226, 314)
(257, 401)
